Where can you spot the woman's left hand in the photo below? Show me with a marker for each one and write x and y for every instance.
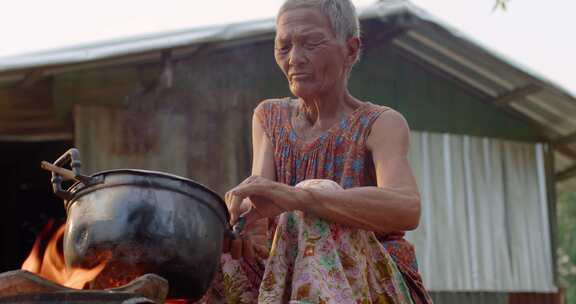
(255, 198)
(268, 199)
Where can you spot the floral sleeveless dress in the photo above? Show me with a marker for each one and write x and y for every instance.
(312, 260)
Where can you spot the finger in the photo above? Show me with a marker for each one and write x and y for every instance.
(227, 198)
(245, 206)
(229, 195)
(236, 248)
(248, 250)
(248, 189)
(235, 204)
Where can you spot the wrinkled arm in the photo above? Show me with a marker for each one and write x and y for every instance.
(262, 155)
(255, 236)
(262, 151)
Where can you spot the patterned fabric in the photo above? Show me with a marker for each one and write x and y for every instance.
(311, 260)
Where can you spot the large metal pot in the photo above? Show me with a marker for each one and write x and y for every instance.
(143, 221)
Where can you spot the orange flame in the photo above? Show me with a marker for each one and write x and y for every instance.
(51, 265)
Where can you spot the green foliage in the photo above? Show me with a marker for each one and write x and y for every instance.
(567, 244)
(501, 4)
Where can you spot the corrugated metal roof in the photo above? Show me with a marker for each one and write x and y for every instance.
(138, 44)
(507, 84)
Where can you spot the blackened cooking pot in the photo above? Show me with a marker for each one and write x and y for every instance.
(143, 221)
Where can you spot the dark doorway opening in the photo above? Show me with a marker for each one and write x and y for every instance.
(27, 202)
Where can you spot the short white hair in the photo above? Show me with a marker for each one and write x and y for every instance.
(341, 15)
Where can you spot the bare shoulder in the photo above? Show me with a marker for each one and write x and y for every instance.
(390, 129)
(268, 103)
(390, 120)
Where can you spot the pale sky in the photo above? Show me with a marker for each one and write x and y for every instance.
(538, 34)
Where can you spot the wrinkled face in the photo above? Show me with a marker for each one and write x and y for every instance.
(309, 54)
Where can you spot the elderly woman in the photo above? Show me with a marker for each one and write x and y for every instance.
(331, 191)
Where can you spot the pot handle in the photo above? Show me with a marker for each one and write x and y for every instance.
(234, 233)
(72, 156)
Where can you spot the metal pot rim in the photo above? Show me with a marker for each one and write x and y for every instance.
(78, 186)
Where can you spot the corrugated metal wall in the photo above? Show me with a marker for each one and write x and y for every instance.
(185, 135)
(469, 298)
(485, 223)
(496, 298)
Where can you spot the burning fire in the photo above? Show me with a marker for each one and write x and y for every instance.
(51, 266)
(49, 263)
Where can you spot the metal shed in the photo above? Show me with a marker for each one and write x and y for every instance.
(510, 86)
